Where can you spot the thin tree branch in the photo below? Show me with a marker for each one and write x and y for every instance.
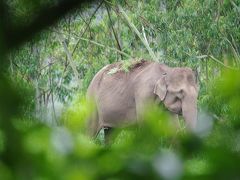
(70, 59)
(237, 7)
(133, 27)
(216, 60)
(114, 32)
(144, 34)
(104, 46)
(53, 106)
(235, 53)
(15, 36)
(95, 43)
(100, 4)
(87, 24)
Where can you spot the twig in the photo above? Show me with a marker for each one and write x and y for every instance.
(238, 8)
(144, 35)
(47, 15)
(114, 32)
(104, 46)
(133, 27)
(235, 53)
(200, 57)
(235, 46)
(70, 59)
(87, 25)
(51, 95)
(218, 61)
(95, 43)
(149, 24)
(49, 64)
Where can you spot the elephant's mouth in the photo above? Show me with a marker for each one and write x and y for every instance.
(176, 111)
(167, 109)
(175, 107)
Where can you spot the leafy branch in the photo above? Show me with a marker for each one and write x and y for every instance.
(88, 25)
(95, 43)
(216, 60)
(113, 30)
(133, 27)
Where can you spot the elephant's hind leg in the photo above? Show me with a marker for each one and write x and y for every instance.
(108, 139)
(93, 125)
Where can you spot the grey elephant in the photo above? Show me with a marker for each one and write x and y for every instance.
(120, 96)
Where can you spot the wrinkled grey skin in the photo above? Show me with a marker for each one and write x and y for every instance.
(120, 96)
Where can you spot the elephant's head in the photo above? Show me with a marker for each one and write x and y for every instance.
(178, 90)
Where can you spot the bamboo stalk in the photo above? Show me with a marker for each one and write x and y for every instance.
(113, 30)
(69, 56)
(218, 61)
(95, 43)
(103, 46)
(235, 53)
(133, 27)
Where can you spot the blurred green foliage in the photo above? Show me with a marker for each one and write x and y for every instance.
(146, 152)
(39, 72)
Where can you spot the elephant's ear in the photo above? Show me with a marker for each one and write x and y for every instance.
(160, 88)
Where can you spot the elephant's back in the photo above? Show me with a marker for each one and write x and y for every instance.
(95, 83)
(114, 78)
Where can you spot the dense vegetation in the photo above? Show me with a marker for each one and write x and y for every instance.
(49, 52)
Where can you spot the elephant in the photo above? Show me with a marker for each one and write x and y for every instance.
(120, 96)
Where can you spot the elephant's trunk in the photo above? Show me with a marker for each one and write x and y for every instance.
(189, 109)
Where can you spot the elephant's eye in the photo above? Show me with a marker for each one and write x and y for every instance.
(176, 99)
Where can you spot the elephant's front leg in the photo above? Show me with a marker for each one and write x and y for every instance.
(139, 110)
(144, 98)
(175, 120)
(142, 105)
